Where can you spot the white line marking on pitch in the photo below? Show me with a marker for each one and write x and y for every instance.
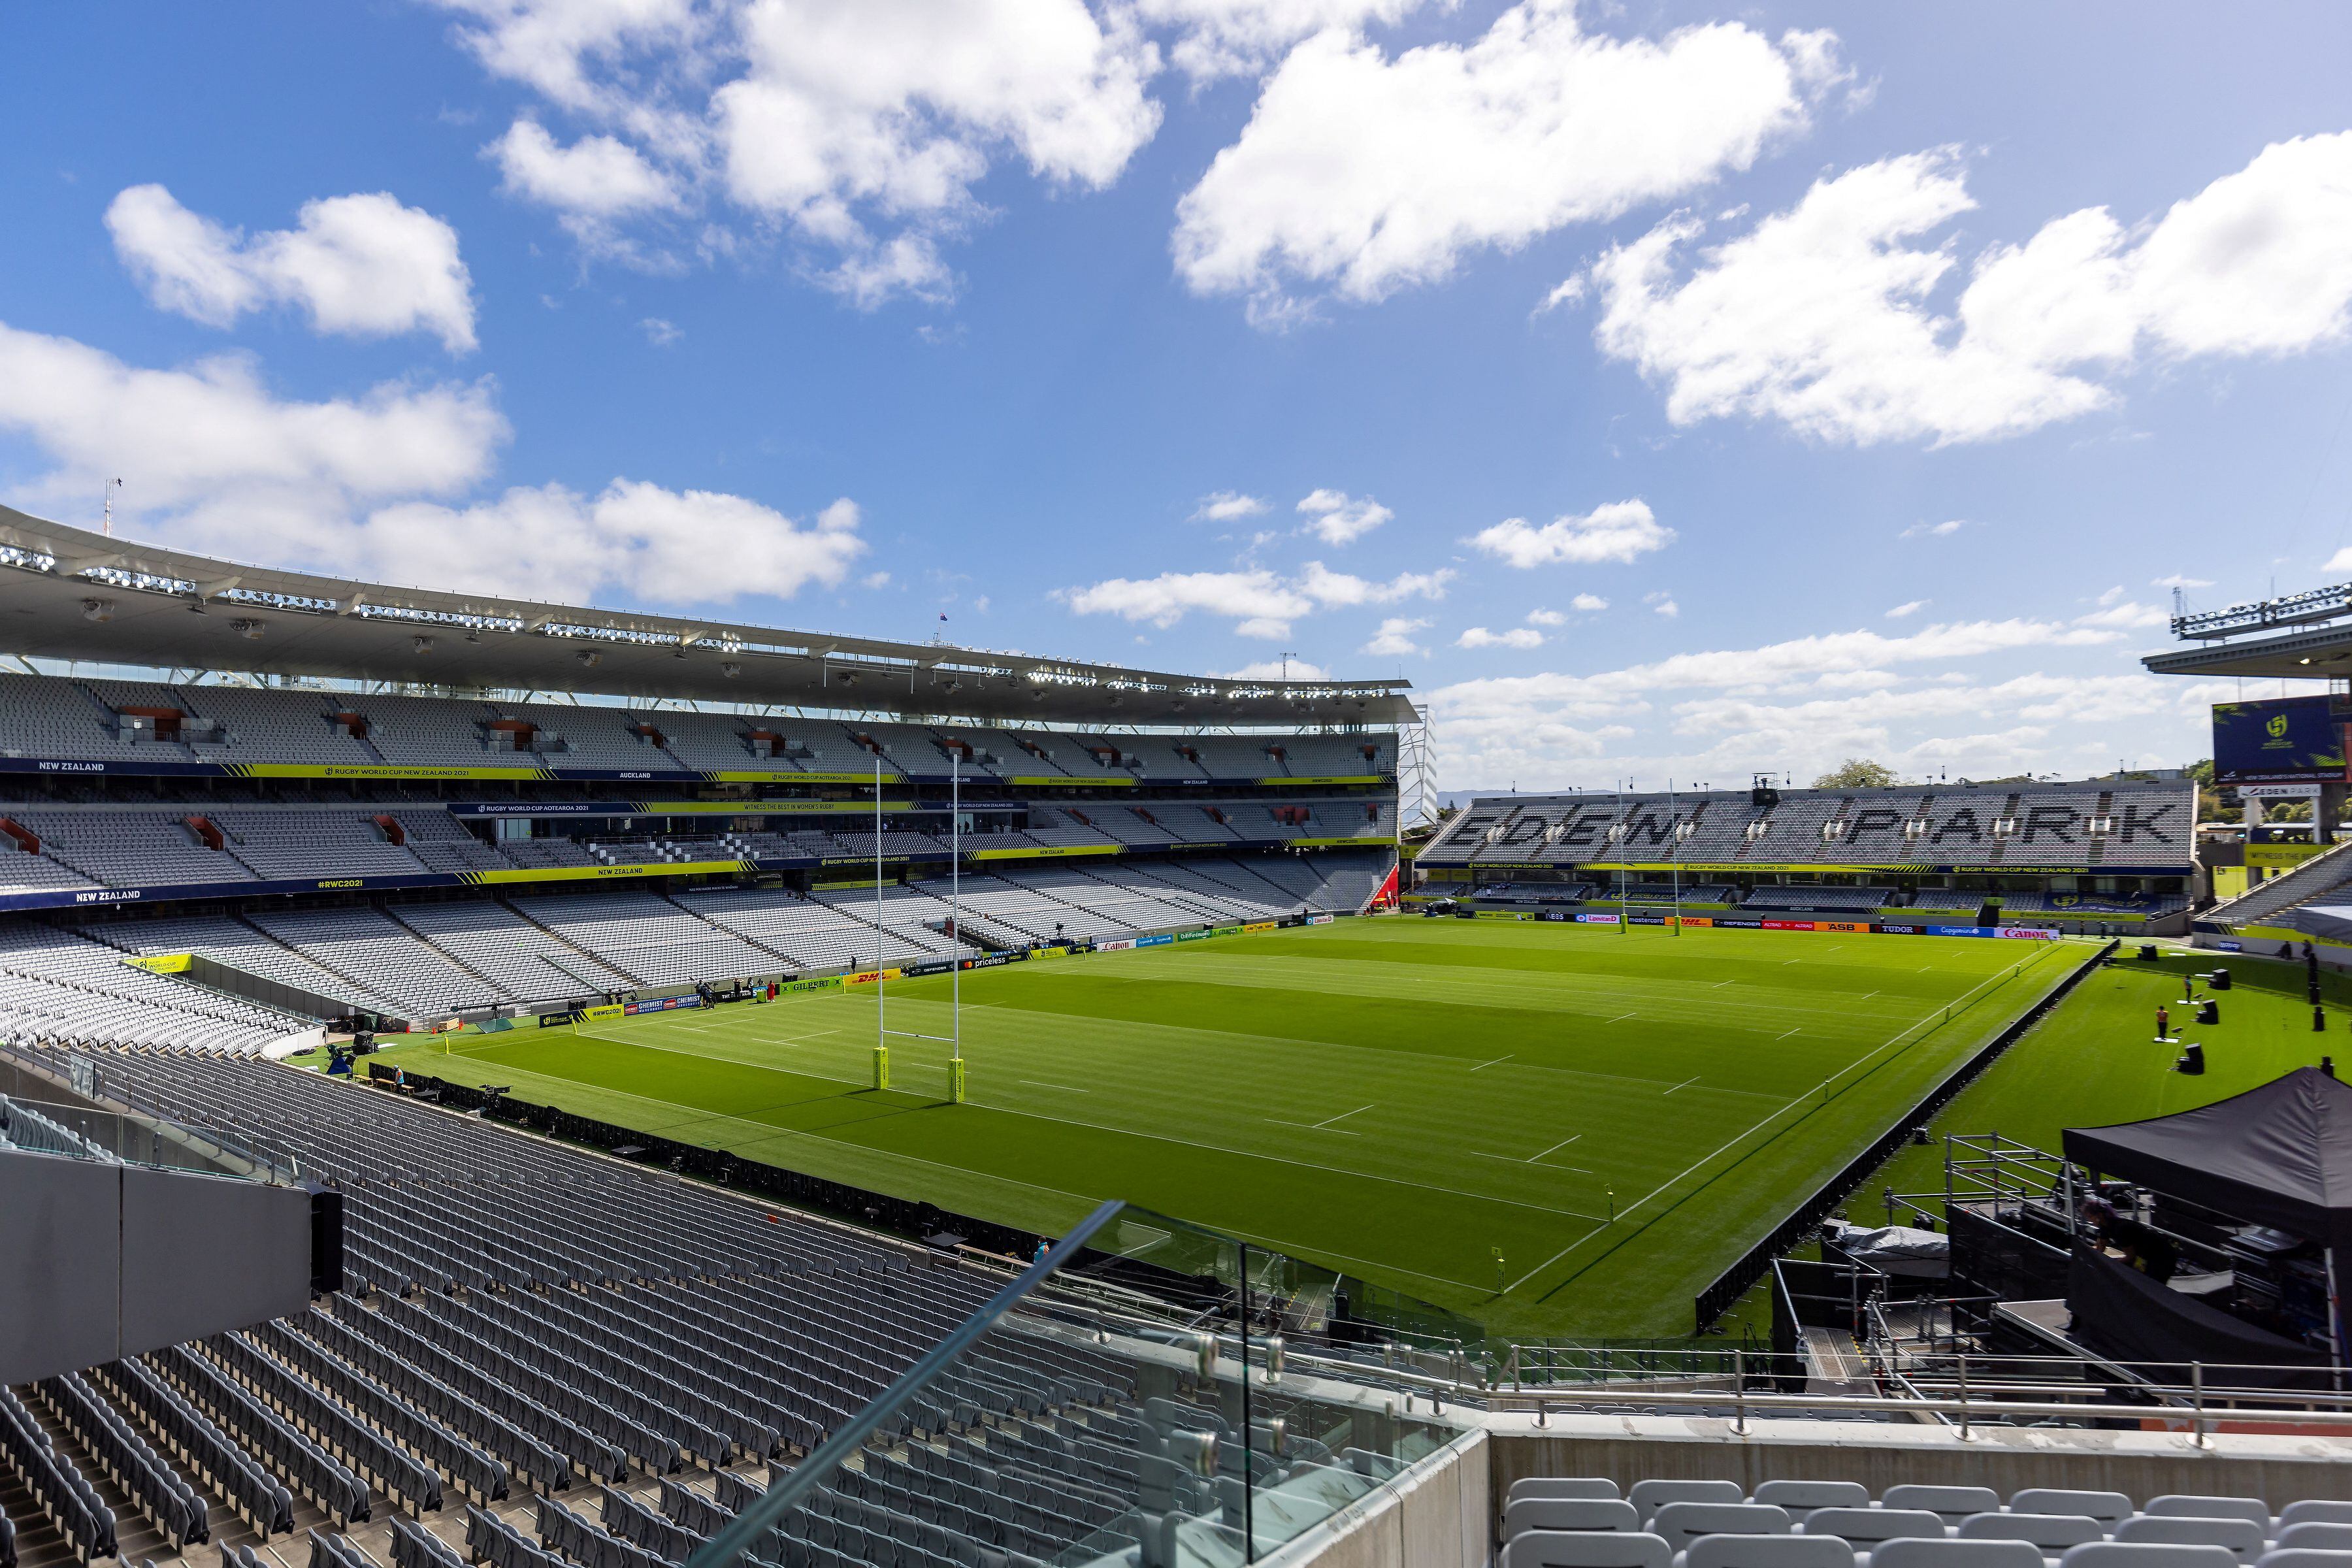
(1556, 1148)
(1065, 1087)
(1619, 1018)
(1482, 1066)
(1311, 1127)
(1718, 984)
(1688, 1081)
(1343, 1116)
(1779, 1037)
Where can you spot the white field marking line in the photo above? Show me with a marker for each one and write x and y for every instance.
(1041, 1083)
(1344, 1115)
(1693, 1077)
(1620, 1018)
(1670, 1181)
(1418, 1058)
(1313, 1127)
(1556, 1149)
(1720, 984)
(1070, 1121)
(1778, 1038)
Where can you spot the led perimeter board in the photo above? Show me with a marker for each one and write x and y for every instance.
(2288, 740)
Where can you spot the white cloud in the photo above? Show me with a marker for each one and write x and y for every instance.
(1910, 607)
(1661, 606)
(359, 266)
(2177, 581)
(1545, 618)
(1362, 174)
(2118, 611)
(1227, 506)
(1275, 669)
(1395, 637)
(1338, 518)
(1620, 532)
(1804, 703)
(1261, 603)
(1935, 530)
(659, 332)
(1826, 317)
(856, 130)
(1517, 637)
(1588, 603)
(2339, 561)
(852, 113)
(1233, 38)
(372, 487)
(594, 182)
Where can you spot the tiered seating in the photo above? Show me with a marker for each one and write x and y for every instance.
(654, 942)
(827, 931)
(586, 736)
(530, 853)
(54, 985)
(235, 942)
(1055, 826)
(43, 717)
(383, 955)
(1687, 892)
(1586, 1522)
(431, 733)
(522, 960)
(441, 843)
(275, 726)
(303, 844)
(130, 848)
(23, 871)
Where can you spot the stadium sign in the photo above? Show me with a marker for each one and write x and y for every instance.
(1591, 919)
(2285, 739)
(1163, 940)
(660, 1005)
(1254, 926)
(1319, 919)
(1118, 945)
(991, 959)
(1194, 936)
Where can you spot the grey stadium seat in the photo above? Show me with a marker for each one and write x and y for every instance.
(2052, 1532)
(1953, 1504)
(1926, 1551)
(1583, 1488)
(1865, 1528)
(1801, 1498)
(2241, 1537)
(1769, 1552)
(2146, 1554)
(1680, 1524)
(1587, 1549)
(1649, 1497)
(2110, 1509)
(1568, 1514)
(2312, 1535)
(2315, 1511)
(2188, 1505)
(2305, 1557)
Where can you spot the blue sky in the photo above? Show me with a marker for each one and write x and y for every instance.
(1613, 373)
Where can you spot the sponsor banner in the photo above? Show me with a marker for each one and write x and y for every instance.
(1251, 927)
(1592, 919)
(1788, 925)
(867, 860)
(163, 962)
(578, 873)
(599, 1013)
(1862, 926)
(1163, 940)
(1646, 919)
(1375, 841)
(675, 807)
(791, 775)
(927, 966)
(1118, 945)
(1044, 852)
(1904, 931)
(384, 771)
(1858, 868)
(1192, 936)
(1739, 922)
(991, 959)
(1325, 779)
(870, 976)
(551, 1020)
(1225, 930)
(1057, 951)
(1959, 931)
(2282, 856)
(821, 982)
(1062, 781)
(1561, 915)
(2230, 944)
(661, 1004)
(2027, 934)
(1319, 919)
(1698, 919)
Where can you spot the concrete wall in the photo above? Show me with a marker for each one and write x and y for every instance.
(100, 1262)
(1436, 1517)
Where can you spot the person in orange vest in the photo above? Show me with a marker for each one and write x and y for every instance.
(2163, 1022)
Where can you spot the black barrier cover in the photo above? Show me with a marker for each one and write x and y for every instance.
(1989, 1258)
(2120, 1311)
(1733, 1282)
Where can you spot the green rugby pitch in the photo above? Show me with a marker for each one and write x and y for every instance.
(1620, 1113)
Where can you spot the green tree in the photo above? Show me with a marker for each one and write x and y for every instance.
(1857, 773)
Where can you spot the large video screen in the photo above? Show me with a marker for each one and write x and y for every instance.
(2288, 740)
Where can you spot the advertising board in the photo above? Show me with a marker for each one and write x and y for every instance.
(2281, 739)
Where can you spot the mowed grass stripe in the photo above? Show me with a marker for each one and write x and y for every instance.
(1356, 1113)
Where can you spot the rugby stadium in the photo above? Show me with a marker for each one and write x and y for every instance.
(496, 1081)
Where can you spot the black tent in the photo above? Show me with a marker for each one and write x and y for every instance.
(2278, 1155)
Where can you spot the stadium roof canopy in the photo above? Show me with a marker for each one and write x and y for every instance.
(2290, 638)
(68, 594)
